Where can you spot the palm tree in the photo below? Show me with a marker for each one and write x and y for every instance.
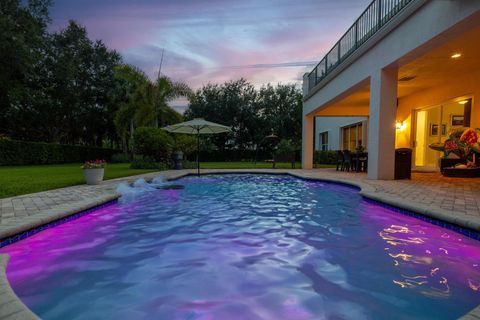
(152, 100)
(144, 103)
(166, 91)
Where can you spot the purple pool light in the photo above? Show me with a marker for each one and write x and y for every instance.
(246, 247)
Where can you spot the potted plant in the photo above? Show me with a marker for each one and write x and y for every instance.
(360, 149)
(93, 171)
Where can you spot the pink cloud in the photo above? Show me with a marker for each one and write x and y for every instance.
(210, 41)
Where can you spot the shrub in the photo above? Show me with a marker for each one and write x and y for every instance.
(141, 162)
(14, 152)
(324, 157)
(153, 143)
(285, 147)
(185, 143)
(121, 158)
(189, 164)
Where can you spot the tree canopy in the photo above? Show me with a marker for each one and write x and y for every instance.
(252, 114)
(64, 87)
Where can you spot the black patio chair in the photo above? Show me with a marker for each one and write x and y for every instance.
(339, 160)
(347, 160)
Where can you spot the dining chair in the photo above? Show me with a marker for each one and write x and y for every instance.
(339, 160)
(347, 160)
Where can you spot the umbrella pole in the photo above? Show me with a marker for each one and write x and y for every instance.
(198, 152)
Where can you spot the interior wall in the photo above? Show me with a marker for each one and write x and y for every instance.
(465, 86)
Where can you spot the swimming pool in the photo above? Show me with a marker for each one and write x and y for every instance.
(246, 247)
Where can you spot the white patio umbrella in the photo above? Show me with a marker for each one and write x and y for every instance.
(197, 126)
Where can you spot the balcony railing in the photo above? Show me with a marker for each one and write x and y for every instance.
(377, 14)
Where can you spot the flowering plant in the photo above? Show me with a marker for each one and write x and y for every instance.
(97, 164)
(463, 144)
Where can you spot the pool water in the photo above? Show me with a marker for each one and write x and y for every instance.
(246, 247)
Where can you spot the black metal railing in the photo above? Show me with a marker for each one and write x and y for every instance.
(377, 14)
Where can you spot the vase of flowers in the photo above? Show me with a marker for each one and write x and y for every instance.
(93, 171)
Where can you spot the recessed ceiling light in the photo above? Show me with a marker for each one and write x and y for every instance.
(463, 102)
(456, 55)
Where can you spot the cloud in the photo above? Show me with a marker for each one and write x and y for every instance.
(216, 40)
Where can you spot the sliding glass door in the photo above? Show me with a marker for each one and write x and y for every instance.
(434, 125)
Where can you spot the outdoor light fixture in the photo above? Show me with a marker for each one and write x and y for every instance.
(456, 55)
(400, 125)
(463, 102)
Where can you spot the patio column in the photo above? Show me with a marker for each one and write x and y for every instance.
(381, 128)
(307, 142)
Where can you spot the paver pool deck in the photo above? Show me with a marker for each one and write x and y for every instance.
(453, 200)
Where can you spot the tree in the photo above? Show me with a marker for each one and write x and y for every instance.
(22, 43)
(281, 109)
(252, 114)
(153, 99)
(144, 103)
(164, 91)
(129, 80)
(231, 104)
(83, 83)
(60, 86)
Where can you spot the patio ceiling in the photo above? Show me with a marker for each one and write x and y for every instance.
(427, 70)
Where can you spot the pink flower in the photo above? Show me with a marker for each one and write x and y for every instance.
(470, 136)
(450, 145)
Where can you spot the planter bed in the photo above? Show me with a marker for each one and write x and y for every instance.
(461, 173)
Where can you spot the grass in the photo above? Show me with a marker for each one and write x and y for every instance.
(20, 180)
(28, 179)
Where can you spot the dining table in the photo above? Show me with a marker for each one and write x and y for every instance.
(360, 160)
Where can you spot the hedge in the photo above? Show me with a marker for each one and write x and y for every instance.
(13, 152)
(325, 157)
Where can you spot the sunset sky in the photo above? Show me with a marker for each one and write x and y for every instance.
(264, 41)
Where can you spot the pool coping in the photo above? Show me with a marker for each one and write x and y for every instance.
(11, 307)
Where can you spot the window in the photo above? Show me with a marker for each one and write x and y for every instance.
(323, 138)
(352, 136)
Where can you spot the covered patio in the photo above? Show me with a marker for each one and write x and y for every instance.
(411, 99)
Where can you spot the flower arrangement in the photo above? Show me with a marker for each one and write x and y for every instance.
(462, 144)
(96, 164)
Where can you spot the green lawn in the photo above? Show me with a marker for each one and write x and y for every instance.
(28, 179)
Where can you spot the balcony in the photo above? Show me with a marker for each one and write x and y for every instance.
(377, 15)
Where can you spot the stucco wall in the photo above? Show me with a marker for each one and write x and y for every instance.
(410, 40)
